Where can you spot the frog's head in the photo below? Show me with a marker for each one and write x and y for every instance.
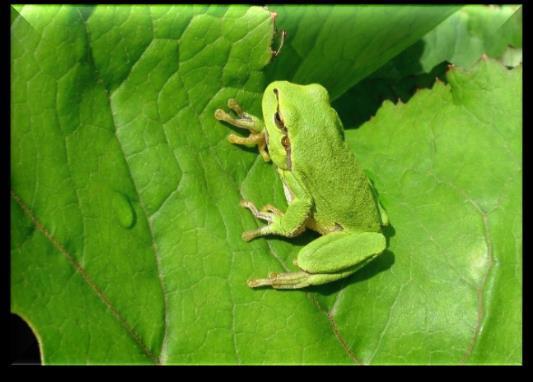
(289, 110)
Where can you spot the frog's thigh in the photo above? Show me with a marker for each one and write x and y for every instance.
(338, 251)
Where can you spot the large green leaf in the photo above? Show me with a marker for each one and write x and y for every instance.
(125, 221)
(120, 197)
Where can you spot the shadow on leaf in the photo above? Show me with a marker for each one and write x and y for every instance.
(397, 81)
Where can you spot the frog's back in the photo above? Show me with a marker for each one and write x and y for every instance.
(342, 195)
(329, 170)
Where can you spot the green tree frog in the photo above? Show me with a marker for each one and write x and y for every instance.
(326, 189)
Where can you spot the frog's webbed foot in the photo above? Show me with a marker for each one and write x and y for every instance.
(245, 121)
(292, 280)
(296, 280)
(270, 208)
(268, 213)
(290, 223)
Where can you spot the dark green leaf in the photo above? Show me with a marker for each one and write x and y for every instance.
(338, 46)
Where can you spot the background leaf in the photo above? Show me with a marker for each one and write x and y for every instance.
(125, 222)
(371, 36)
(461, 39)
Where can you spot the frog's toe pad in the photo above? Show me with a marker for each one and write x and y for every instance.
(256, 283)
(249, 235)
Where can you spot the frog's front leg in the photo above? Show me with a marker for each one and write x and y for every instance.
(288, 224)
(245, 121)
(266, 213)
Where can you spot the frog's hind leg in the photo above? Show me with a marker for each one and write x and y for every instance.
(328, 258)
(296, 280)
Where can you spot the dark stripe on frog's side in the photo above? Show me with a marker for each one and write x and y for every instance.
(280, 124)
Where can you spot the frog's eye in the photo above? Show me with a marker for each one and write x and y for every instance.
(285, 142)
